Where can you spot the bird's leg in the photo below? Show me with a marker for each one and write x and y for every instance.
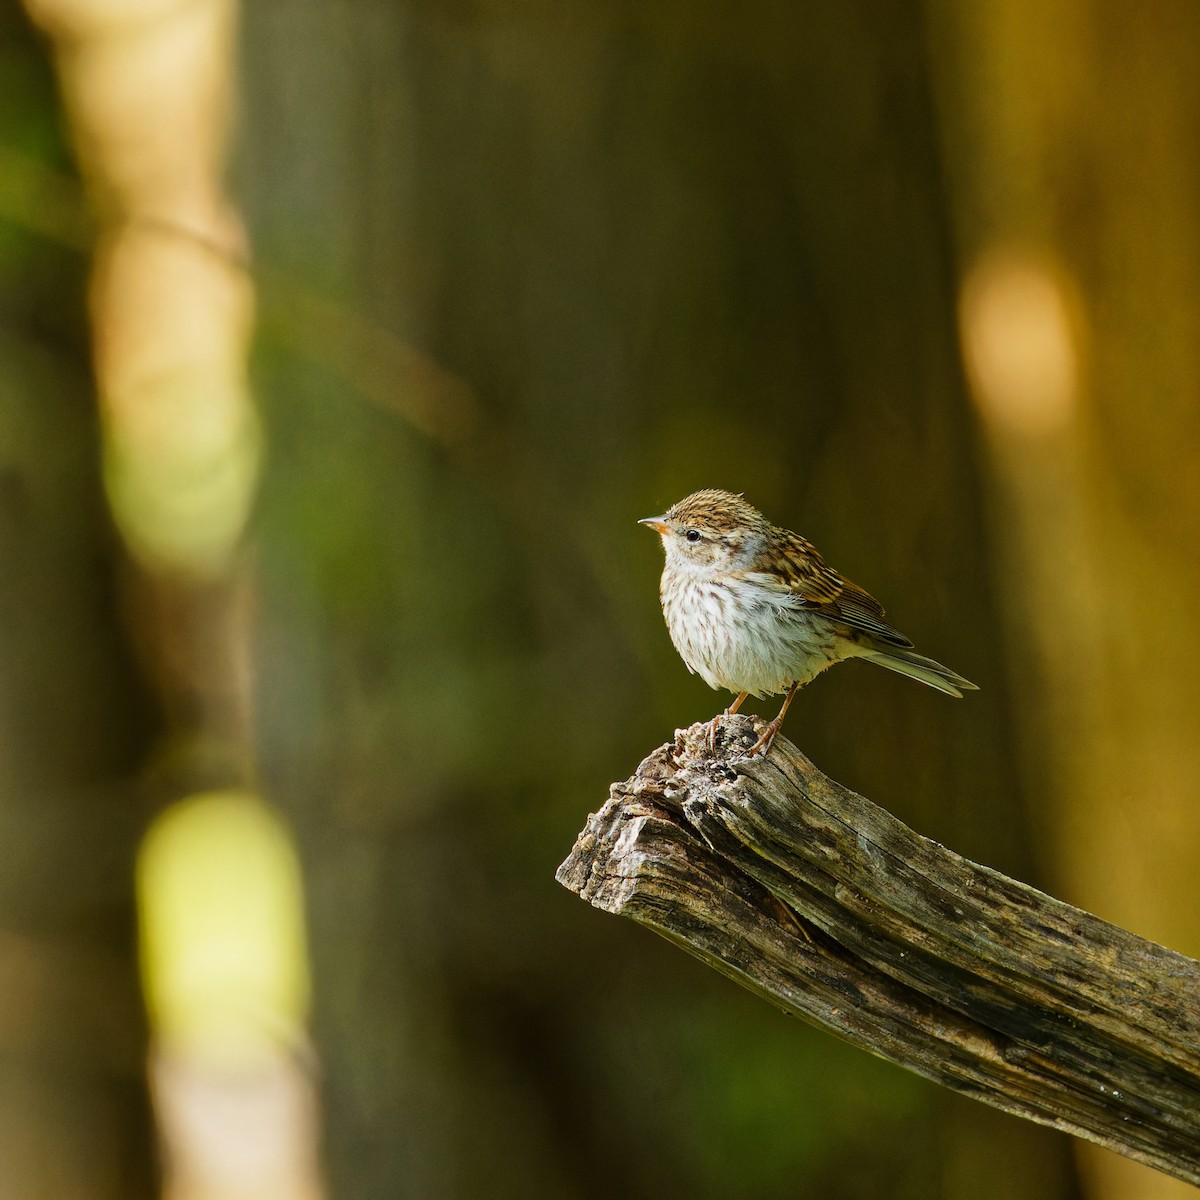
(736, 704)
(768, 735)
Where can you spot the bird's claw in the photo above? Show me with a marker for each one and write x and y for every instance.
(762, 746)
(713, 727)
(766, 739)
(710, 736)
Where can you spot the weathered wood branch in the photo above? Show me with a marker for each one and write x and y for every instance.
(826, 905)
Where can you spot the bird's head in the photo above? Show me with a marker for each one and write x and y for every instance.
(710, 531)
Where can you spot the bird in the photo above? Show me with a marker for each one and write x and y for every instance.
(754, 609)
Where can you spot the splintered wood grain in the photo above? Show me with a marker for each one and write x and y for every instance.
(826, 905)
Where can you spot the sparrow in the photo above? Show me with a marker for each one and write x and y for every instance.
(753, 608)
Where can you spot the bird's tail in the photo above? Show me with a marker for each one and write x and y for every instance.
(917, 666)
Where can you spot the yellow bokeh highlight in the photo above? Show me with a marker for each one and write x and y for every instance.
(221, 908)
(1019, 343)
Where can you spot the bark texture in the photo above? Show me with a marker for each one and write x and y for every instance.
(825, 904)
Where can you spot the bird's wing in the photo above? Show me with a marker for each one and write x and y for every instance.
(811, 584)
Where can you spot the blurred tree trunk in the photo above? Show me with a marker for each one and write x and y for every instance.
(1073, 142)
(148, 97)
(74, 725)
(665, 247)
(144, 92)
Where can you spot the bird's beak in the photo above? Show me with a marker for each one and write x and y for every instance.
(655, 523)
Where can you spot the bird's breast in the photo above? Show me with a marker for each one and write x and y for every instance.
(742, 637)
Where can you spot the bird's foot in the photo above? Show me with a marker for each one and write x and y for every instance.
(710, 735)
(768, 735)
(714, 724)
(766, 738)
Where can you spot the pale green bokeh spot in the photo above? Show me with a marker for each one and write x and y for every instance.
(224, 958)
(182, 477)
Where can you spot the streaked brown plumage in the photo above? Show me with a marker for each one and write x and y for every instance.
(755, 609)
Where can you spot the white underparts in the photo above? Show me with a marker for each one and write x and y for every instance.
(738, 636)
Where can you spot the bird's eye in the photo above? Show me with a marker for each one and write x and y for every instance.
(692, 535)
